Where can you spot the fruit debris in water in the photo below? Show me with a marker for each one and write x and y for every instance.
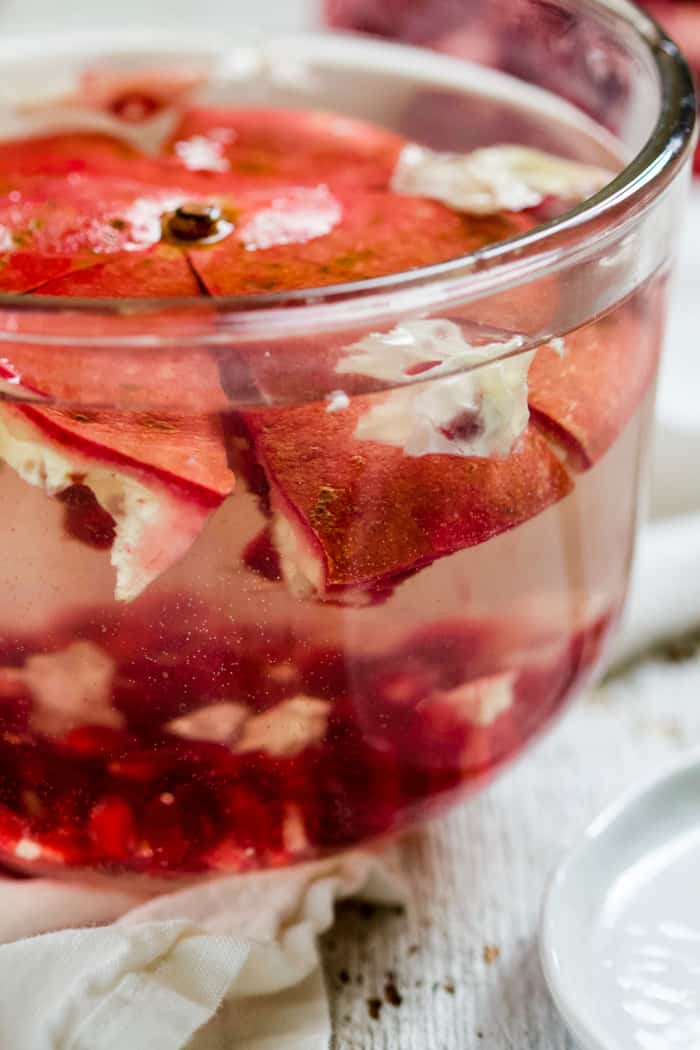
(107, 766)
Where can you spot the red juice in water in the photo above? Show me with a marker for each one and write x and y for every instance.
(266, 597)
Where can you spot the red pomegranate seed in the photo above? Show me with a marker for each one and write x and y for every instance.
(452, 652)
(68, 847)
(402, 688)
(200, 815)
(15, 710)
(465, 426)
(85, 519)
(143, 765)
(360, 796)
(12, 828)
(37, 770)
(326, 673)
(111, 826)
(161, 828)
(32, 804)
(393, 746)
(98, 742)
(165, 683)
(135, 106)
(254, 824)
(477, 754)
(69, 805)
(14, 651)
(211, 760)
(261, 557)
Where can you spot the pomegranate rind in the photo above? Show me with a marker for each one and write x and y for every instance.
(158, 513)
(370, 514)
(584, 399)
(160, 272)
(255, 146)
(377, 233)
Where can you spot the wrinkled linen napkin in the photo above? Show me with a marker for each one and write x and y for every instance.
(230, 964)
(233, 963)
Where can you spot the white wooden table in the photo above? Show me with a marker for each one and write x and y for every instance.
(463, 958)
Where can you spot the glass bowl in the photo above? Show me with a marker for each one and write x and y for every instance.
(242, 623)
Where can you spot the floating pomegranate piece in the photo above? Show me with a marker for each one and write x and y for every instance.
(584, 397)
(414, 510)
(285, 147)
(83, 220)
(155, 478)
(310, 237)
(84, 215)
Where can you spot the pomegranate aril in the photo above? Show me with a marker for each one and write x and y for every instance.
(64, 796)
(477, 753)
(161, 831)
(32, 805)
(134, 107)
(325, 673)
(202, 760)
(98, 742)
(344, 815)
(69, 808)
(12, 828)
(37, 769)
(402, 688)
(85, 520)
(268, 671)
(360, 796)
(112, 829)
(254, 824)
(386, 708)
(65, 846)
(452, 653)
(261, 557)
(200, 814)
(14, 651)
(100, 625)
(15, 709)
(144, 765)
(396, 741)
(166, 683)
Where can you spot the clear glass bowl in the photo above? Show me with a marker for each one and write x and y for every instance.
(353, 636)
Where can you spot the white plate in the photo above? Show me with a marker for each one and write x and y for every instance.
(620, 932)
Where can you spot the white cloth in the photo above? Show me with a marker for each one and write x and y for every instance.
(230, 964)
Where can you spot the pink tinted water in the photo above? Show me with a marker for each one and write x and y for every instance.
(219, 723)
